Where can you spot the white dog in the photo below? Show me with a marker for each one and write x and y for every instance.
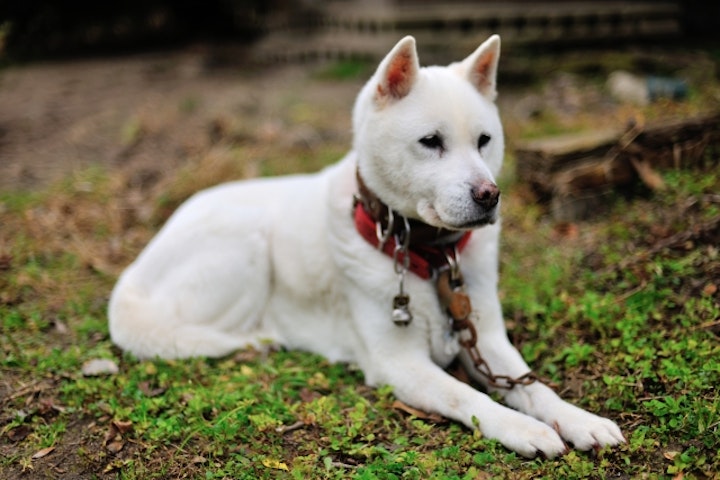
(376, 260)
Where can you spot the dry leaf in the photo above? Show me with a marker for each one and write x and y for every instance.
(43, 453)
(398, 405)
(122, 427)
(670, 455)
(114, 441)
(115, 446)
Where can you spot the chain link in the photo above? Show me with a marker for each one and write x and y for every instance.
(504, 382)
(465, 328)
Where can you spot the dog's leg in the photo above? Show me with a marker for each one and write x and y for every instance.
(419, 382)
(399, 357)
(582, 429)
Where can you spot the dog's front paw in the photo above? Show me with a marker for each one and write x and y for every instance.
(576, 426)
(525, 435)
(586, 430)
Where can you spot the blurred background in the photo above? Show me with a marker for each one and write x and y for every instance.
(149, 88)
(46, 28)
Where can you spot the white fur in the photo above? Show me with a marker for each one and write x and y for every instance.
(280, 260)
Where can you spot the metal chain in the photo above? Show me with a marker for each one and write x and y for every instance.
(504, 382)
(451, 292)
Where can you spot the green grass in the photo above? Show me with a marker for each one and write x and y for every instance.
(638, 344)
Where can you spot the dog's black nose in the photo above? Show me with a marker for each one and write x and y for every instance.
(486, 194)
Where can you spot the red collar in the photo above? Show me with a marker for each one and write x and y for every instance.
(426, 258)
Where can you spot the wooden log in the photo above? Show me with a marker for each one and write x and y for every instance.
(575, 173)
(551, 154)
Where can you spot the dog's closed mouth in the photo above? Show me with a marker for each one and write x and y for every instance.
(487, 219)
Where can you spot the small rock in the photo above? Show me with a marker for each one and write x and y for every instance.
(98, 367)
(629, 88)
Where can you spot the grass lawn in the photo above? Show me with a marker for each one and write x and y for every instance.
(621, 313)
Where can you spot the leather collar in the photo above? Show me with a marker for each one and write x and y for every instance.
(429, 247)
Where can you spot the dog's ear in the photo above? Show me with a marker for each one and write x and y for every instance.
(480, 67)
(397, 72)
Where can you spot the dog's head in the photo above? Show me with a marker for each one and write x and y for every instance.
(429, 140)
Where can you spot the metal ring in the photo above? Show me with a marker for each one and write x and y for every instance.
(383, 237)
(406, 238)
(453, 263)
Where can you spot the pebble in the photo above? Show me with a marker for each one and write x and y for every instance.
(98, 367)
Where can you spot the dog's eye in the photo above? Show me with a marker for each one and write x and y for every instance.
(483, 140)
(434, 142)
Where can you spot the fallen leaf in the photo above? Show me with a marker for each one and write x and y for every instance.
(398, 405)
(275, 464)
(43, 453)
(710, 290)
(115, 446)
(670, 455)
(114, 441)
(122, 427)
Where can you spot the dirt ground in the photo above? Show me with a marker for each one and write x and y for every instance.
(147, 114)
